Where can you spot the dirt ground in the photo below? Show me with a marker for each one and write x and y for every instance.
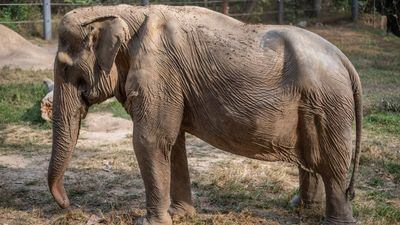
(104, 184)
(17, 52)
(104, 168)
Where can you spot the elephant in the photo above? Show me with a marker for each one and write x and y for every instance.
(266, 92)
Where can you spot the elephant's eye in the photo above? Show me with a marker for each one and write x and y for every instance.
(65, 68)
(88, 41)
(82, 84)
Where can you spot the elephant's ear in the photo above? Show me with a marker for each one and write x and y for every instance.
(106, 36)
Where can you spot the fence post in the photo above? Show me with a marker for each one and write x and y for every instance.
(224, 5)
(354, 10)
(46, 20)
(317, 8)
(144, 2)
(280, 11)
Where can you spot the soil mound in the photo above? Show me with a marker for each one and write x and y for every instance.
(16, 52)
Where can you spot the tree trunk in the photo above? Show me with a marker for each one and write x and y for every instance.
(280, 12)
(317, 8)
(224, 7)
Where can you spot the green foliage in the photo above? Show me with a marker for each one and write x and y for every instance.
(387, 7)
(82, 1)
(14, 13)
(342, 5)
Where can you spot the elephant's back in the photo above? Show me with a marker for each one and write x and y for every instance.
(311, 63)
(318, 72)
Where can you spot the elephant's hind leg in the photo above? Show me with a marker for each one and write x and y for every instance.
(335, 145)
(181, 197)
(311, 187)
(326, 148)
(333, 170)
(338, 207)
(311, 190)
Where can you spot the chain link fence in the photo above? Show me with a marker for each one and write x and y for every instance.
(27, 16)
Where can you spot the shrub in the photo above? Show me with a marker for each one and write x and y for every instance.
(14, 13)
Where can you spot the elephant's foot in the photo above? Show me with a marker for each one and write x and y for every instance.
(298, 202)
(164, 220)
(341, 221)
(181, 210)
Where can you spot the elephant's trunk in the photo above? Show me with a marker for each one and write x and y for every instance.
(67, 110)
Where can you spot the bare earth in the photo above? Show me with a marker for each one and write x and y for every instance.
(16, 52)
(104, 162)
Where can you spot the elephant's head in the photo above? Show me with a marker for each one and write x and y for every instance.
(84, 74)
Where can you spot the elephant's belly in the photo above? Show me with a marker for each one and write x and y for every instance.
(269, 137)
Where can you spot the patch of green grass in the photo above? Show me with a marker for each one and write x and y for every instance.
(375, 77)
(383, 122)
(113, 107)
(20, 103)
(376, 182)
(32, 183)
(380, 211)
(378, 195)
(394, 169)
(388, 211)
(21, 92)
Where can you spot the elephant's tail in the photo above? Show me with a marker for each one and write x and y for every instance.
(357, 94)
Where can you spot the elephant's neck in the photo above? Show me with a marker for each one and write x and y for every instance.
(122, 64)
(135, 20)
(122, 61)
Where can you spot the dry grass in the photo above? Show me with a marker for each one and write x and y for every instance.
(20, 76)
(105, 187)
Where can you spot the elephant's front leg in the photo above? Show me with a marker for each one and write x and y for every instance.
(157, 115)
(153, 160)
(181, 197)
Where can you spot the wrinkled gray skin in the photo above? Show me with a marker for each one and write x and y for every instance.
(273, 93)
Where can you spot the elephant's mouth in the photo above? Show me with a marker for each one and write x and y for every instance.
(84, 111)
(84, 106)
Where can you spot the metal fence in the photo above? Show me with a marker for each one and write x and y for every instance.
(254, 11)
